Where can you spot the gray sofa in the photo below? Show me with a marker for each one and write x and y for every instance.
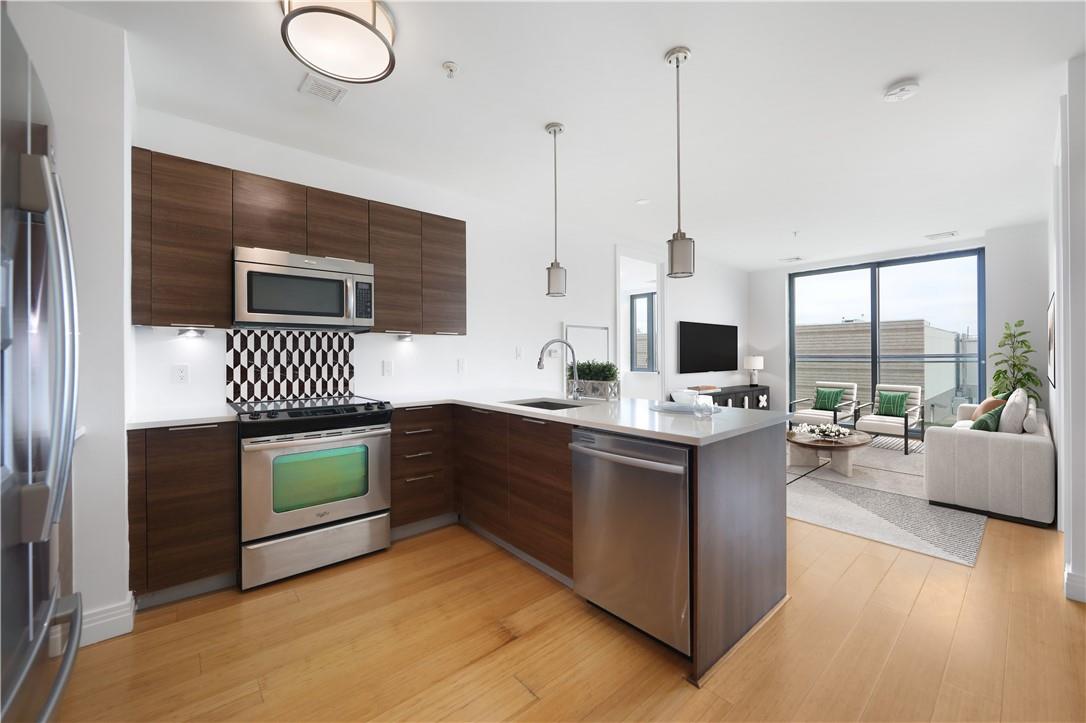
(1009, 475)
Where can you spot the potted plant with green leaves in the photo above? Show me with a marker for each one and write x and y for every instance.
(599, 380)
(1013, 367)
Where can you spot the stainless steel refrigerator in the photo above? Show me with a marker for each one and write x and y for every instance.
(40, 625)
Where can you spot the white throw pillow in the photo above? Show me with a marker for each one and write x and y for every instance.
(1030, 424)
(1014, 412)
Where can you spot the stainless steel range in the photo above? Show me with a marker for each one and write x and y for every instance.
(315, 483)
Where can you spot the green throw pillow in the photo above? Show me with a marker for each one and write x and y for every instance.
(892, 404)
(1004, 396)
(989, 421)
(827, 399)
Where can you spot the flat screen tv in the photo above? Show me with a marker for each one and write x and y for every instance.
(708, 347)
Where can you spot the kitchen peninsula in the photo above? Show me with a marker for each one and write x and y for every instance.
(507, 471)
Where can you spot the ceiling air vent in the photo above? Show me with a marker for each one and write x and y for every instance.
(312, 85)
(942, 236)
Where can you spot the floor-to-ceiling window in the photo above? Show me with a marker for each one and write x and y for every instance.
(913, 321)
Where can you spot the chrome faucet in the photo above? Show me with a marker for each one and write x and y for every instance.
(576, 382)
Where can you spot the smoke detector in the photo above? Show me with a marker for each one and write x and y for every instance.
(901, 90)
(941, 236)
(321, 88)
(450, 68)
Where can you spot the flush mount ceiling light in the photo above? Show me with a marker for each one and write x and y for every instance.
(901, 90)
(347, 41)
(680, 247)
(556, 275)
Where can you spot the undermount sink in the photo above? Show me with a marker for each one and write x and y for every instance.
(552, 404)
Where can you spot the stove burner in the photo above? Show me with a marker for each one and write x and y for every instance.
(286, 410)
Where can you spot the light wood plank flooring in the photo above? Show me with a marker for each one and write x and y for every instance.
(446, 626)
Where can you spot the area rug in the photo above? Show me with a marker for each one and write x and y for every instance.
(884, 501)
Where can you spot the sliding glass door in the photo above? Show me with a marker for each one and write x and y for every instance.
(916, 321)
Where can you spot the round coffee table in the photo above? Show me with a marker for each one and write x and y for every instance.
(807, 449)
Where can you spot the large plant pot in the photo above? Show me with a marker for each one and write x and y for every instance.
(594, 390)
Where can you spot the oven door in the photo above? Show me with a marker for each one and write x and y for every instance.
(287, 296)
(290, 482)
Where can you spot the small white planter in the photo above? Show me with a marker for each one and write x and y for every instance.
(594, 390)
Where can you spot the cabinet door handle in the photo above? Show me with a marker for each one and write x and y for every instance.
(419, 478)
(198, 426)
(417, 454)
(479, 411)
(447, 333)
(533, 421)
(418, 431)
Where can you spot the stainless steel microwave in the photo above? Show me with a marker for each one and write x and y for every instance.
(278, 288)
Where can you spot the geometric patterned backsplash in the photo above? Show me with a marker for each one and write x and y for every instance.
(266, 364)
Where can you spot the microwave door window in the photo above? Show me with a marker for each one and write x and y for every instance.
(307, 479)
(296, 295)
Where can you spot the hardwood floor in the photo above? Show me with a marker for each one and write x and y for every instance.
(448, 626)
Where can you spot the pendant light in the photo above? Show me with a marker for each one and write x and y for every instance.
(680, 247)
(346, 40)
(556, 275)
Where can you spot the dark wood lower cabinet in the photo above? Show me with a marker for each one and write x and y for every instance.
(137, 511)
(422, 475)
(192, 503)
(541, 491)
(482, 442)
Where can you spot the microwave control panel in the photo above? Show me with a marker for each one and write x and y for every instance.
(363, 301)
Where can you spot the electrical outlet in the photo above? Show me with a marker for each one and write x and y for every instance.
(180, 374)
(517, 353)
(552, 353)
(459, 366)
(386, 368)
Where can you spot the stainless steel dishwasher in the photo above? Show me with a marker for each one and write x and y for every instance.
(631, 531)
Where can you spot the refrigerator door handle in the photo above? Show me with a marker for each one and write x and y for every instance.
(69, 610)
(71, 347)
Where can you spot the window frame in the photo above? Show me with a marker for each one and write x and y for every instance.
(650, 297)
(875, 358)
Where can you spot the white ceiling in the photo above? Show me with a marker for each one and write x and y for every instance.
(783, 124)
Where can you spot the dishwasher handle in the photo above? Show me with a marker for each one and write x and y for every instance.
(630, 461)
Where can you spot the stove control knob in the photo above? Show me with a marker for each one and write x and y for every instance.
(273, 415)
(254, 415)
(369, 406)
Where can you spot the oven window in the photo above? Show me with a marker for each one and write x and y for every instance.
(306, 479)
(295, 295)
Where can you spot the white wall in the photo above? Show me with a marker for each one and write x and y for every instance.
(1067, 272)
(83, 68)
(1016, 275)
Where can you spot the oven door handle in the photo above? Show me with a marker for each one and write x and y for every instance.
(255, 446)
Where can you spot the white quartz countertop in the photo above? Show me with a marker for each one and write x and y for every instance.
(625, 416)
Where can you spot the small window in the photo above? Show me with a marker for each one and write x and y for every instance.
(643, 332)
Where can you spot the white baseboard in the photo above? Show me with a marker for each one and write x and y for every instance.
(1074, 586)
(109, 621)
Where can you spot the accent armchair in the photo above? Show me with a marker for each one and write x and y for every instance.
(808, 415)
(892, 426)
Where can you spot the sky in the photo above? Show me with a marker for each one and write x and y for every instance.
(942, 292)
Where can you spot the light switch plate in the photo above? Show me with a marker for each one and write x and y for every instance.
(386, 368)
(459, 366)
(179, 374)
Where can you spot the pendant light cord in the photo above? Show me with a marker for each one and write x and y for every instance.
(678, 151)
(554, 136)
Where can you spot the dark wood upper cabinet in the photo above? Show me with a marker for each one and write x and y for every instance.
(269, 213)
(192, 503)
(444, 275)
(541, 491)
(396, 255)
(137, 511)
(141, 236)
(191, 243)
(337, 225)
(482, 442)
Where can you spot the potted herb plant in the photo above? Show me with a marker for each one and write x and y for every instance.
(599, 380)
